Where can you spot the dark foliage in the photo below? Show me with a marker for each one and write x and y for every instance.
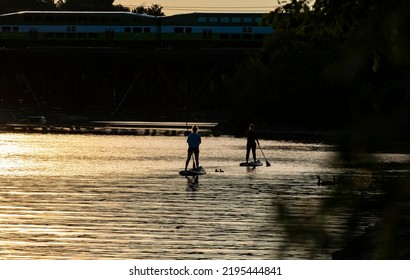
(342, 65)
(329, 66)
(9, 6)
(154, 10)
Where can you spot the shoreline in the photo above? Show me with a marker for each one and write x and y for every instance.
(107, 128)
(165, 128)
(206, 128)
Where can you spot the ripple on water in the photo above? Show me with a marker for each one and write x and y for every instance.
(111, 197)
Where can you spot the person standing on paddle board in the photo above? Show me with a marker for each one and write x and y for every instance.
(251, 142)
(193, 140)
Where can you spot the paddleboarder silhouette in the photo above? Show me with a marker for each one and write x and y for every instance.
(251, 141)
(193, 140)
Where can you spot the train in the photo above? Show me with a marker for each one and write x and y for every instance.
(127, 29)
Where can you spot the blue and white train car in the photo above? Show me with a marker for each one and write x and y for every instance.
(50, 28)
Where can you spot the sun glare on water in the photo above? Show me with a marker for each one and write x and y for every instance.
(8, 149)
(19, 154)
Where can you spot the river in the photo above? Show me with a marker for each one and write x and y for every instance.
(111, 197)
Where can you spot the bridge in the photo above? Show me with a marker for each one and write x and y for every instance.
(115, 82)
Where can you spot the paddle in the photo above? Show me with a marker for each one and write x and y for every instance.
(194, 165)
(187, 130)
(267, 162)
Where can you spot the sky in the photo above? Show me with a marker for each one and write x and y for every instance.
(171, 7)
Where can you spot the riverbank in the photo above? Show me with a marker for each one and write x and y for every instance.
(166, 128)
(169, 123)
(110, 128)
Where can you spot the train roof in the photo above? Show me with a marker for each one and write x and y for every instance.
(76, 12)
(118, 17)
(196, 14)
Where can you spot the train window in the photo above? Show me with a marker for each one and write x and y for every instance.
(224, 19)
(188, 29)
(127, 29)
(60, 18)
(71, 19)
(6, 29)
(247, 37)
(247, 19)
(71, 35)
(60, 35)
(202, 19)
(38, 18)
(49, 18)
(28, 18)
(235, 36)
(115, 19)
(213, 19)
(258, 37)
(137, 30)
(257, 20)
(93, 19)
(71, 28)
(92, 35)
(178, 30)
(15, 29)
(103, 19)
(82, 35)
(236, 19)
(82, 19)
(49, 35)
(147, 29)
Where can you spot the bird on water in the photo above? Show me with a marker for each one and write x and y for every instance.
(325, 183)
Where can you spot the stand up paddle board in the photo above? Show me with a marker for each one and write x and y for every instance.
(192, 172)
(251, 163)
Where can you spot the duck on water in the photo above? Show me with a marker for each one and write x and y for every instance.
(326, 183)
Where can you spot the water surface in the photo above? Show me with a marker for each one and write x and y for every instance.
(121, 197)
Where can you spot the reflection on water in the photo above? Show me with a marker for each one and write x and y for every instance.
(121, 197)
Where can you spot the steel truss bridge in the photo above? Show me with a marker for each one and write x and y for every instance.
(115, 81)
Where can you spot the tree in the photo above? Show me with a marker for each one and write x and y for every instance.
(154, 10)
(88, 5)
(9, 6)
(121, 8)
(140, 10)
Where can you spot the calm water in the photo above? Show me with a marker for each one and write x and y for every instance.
(120, 197)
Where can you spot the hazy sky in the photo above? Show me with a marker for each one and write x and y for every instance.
(186, 6)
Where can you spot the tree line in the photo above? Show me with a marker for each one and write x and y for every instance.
(330, 65)
(10, 6)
